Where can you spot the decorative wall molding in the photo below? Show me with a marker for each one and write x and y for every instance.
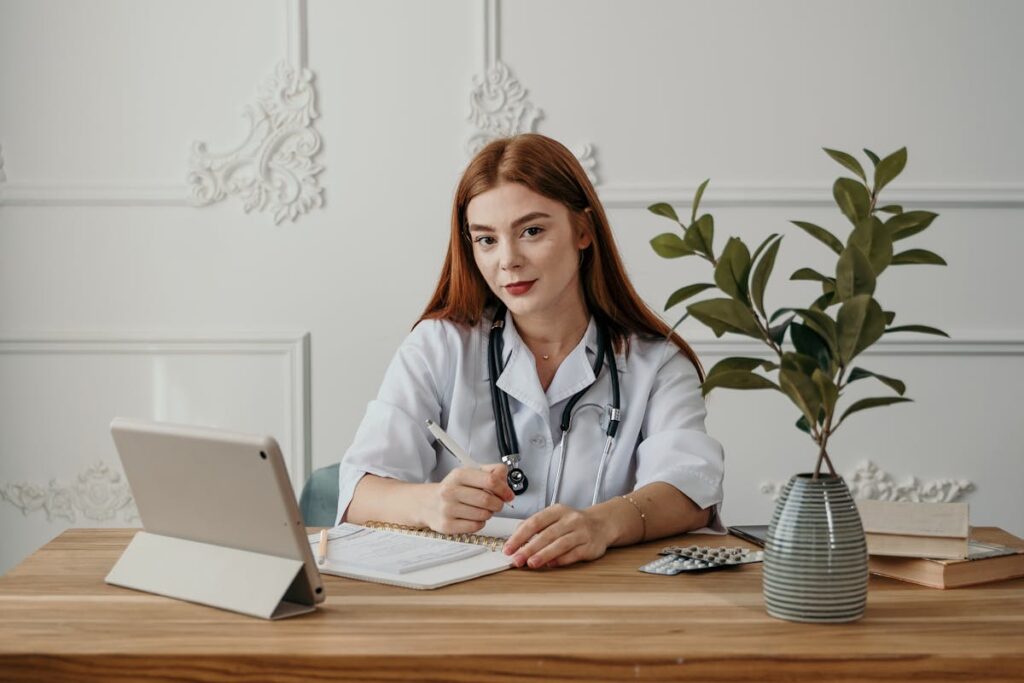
(293, 348)
(499, 107)
(273, 167)
(283, 178)
(965, 344)
(98, 493)
(498, 103)
(870, 481)
(640, 196)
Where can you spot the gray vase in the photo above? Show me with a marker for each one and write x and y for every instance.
(815, 555)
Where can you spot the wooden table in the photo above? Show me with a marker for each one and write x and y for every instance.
(601, 621)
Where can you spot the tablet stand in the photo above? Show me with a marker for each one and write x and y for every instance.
(238, 580)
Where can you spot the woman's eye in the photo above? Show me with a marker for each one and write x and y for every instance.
(533, 231)
(484, 240)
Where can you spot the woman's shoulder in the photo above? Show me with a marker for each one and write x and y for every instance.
(441, 331)
(659, 354)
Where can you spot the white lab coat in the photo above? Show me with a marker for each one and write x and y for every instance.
(440, 372)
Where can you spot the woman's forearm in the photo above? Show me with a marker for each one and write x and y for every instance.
(667, 512)
(386, 500)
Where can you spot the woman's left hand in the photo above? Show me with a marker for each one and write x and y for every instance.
(556, 536)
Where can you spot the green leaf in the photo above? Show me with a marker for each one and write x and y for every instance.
(697, 198)
(827, 389)
(802, 425)
(873, 239)
(796, 383)
(824, 301)
(733, 270)
(820, 322)
(778, 332)
(871, 155)
(810, 274)
(847, 161)
(910, 223)
(725, 315)
(684, 293)
(918, 256)
(860, 373)
(820, 234)
(891, 208)
(779, 312)
(762, 272)
(760, 248)
(663, 209)
(670, 245)
(889, 167)
(860, 323)
(866, 403)
(700, 236)
(737, 379)
(809, 343)
(854, 274)
(852, 198)
(735, 363)
(923, 329)
(889, 317)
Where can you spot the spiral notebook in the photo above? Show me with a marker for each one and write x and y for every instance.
(414, 558)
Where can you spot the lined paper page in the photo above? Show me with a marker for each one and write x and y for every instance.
(390, 552)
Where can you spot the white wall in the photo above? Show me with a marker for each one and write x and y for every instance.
(119, 297)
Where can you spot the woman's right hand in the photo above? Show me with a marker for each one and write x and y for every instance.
(465, 499)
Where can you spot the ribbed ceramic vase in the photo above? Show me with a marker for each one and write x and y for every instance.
(815, 555)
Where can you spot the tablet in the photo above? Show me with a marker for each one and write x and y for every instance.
(216, 487)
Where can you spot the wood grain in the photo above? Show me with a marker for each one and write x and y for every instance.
(601, 621)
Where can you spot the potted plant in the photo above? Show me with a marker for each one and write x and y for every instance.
(815, 566)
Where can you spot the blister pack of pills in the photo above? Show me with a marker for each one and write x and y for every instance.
(693, 558)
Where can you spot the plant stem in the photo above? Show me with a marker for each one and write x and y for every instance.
(826, 432)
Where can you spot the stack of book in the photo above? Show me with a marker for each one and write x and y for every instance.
(932, 544)
(935, 530)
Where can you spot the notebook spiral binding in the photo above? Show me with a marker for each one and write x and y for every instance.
(489, 542)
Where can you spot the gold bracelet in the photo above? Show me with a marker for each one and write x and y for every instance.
(643, 517)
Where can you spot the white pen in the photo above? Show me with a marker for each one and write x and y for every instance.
(455, 449)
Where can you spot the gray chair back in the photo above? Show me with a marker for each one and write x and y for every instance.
(319, 500)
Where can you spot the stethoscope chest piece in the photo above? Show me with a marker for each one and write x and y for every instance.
(517, 481)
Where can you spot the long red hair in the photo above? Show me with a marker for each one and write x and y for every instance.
(546, 167)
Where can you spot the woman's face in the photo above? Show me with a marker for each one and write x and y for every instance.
(527, 249)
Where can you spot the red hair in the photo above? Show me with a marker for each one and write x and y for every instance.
(546, 167)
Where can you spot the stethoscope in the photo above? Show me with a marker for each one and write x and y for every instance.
(508, 445)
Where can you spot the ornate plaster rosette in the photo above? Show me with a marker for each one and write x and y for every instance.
(870, 481)
(273, 167)
(98, 493)
(498, 107)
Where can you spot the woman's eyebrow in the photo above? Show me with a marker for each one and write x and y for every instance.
(532, 216)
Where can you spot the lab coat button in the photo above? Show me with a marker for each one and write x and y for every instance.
(538, 441)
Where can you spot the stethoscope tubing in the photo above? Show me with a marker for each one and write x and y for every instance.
(508, 445)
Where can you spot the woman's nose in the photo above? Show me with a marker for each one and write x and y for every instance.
(508, 255)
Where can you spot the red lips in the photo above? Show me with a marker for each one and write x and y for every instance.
(519, 288)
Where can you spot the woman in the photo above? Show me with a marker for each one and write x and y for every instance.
(531, 253)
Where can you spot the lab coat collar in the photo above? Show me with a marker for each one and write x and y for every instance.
(519, 378)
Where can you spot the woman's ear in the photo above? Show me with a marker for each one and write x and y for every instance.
(584, 229)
